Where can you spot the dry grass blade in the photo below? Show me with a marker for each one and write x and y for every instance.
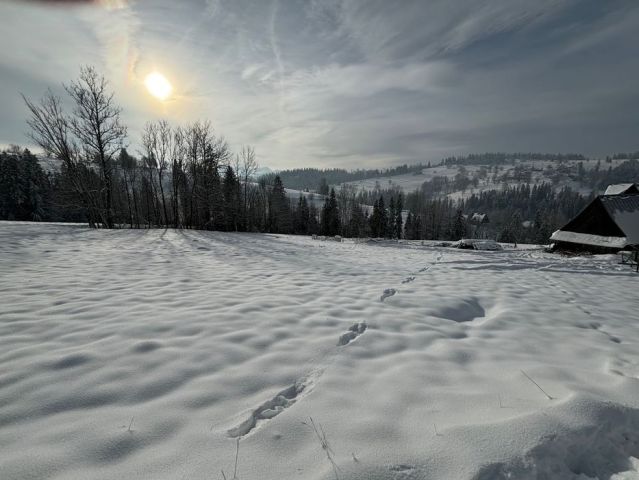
(323, 440)
(237, 454)
(537, 385)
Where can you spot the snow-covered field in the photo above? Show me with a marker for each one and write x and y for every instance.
(147, 354)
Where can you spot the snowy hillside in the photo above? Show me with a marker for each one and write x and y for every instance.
(312, 198)
(148, 354)
(539, 171)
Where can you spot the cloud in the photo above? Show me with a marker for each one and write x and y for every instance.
(349, 83)
(361, 80)
(421, 29)
(115, 26)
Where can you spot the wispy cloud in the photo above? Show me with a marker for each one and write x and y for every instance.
(350, 82)
(115, 26)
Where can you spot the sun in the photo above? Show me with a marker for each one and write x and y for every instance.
(158, 85)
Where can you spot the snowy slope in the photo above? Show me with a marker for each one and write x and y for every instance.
(411, 182)
(311, 197)
(147, 354)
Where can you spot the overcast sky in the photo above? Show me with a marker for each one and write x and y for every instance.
(346, 83)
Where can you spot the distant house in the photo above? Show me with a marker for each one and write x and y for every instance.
(476, 221)
(476, 218)
(479, 218)
(610, 223)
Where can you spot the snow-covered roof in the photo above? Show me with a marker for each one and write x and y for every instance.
(479, 217)
(624, 210)
(610, 221)
(476, 217)
(620, 189)
(588, 239)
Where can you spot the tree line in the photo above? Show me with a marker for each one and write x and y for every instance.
(499, 158)
(186, 176)
(227, 199)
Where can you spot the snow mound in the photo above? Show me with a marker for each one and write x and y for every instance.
(591, 440)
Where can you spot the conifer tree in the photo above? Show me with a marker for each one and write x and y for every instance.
(390, 221)
(357, 224)
(279, 212)
(399, 206)
(383, 218)
(330, 216)
(416, 231)
(313, 223)
(211, 188)
(373, 220)
(302, 217)
(231, 200)
(408, 228)
(458, 230)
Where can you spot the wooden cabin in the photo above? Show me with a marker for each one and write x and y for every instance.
(609, 224)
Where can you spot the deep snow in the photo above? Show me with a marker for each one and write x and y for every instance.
(147, 354)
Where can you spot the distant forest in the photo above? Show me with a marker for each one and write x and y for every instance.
(188, 177)
(502, 158)
(315, 178)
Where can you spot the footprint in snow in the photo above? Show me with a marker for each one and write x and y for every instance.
(389, 292)
(354, 331)
(597, 326)
(273, 407)
(401, 468)
(403, 471)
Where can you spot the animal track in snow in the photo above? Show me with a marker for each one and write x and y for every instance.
(389, 292)
(403, 471)
(597, 326)
(624, 367)
(354, 331)
(593, 325)
(273, 407)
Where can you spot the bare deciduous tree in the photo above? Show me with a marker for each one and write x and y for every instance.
(157, 140)
(96, 124)
(91, 135)
(51, 130)
(178, 153)
(246, 166)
